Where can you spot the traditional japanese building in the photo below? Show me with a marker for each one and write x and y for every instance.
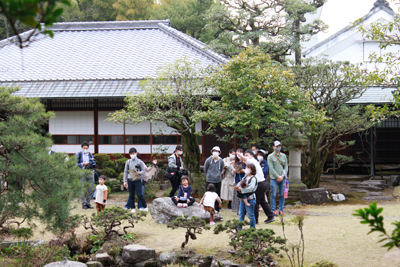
(84, 72)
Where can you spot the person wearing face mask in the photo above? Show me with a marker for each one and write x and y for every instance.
(213, 168)
(278, 166)
(85, 160)
(239, 167)
(228, 178)
(133, 184)
(255, 149)
(261, 189)
(175, 164)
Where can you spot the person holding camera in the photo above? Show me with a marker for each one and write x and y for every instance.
(214, 168)
(175, 165)
(133, 174)
(85, 160)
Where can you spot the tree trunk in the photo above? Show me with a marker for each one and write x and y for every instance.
(191, 152)
(313, 165)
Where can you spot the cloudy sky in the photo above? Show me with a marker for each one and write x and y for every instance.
(340, 13)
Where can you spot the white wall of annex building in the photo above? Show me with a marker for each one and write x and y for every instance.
(107, 127)
(72, 123)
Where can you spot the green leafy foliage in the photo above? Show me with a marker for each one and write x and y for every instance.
(257, 245)
(275, 26)
(32, 256)
(130, 237)
(132, 9)
(37, 184)
(257, 100)
(108, 172)
(97, 241)
(36, 14)
(172, 97)
(330, 86)
(22, 233)
(372, 217)
(231, 227)
(186, 16)
(193, 226)
(323, 263)
(110, 222)
(115, 185)
(101, 160)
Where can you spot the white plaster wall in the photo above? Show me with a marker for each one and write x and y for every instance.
(352, 53)
(140, 128)
(198, 126)
(107, 127)
(143, 149)
(159, 127)
(171, 148)
(70, 149)
(72, 123)
(110, 149)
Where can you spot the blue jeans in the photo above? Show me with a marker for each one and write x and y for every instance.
(139, 204)
(274, 189)
(243, 209)
(135, 187)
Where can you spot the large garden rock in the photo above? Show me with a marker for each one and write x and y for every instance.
(163, 210)
(66, 263)
(94, 264)
(394, 180)
(201, 261)
(377, 198)
(104, 258)
(167, 258)
(136, 254)
(314, 196)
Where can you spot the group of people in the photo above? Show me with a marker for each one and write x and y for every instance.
(240, 179)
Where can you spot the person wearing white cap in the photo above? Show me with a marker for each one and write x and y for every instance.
(278, 167)
(213, 168)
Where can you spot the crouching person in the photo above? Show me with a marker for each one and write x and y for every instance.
(183, 199)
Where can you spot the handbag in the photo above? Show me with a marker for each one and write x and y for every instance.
(170, 173)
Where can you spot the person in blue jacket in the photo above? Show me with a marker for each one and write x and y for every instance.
(85, 160)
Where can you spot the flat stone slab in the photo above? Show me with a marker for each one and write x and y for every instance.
(396, 191)
(374, 194)
(314, 196)
(136, 254)
(377, 198)
(163, 210)
(66, 263)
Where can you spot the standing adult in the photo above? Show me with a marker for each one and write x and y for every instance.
(213, 168)
(85, 160)
(175, 164)
(262, 159)
(133, 175)
(251, 181)
(261, 189)
(228, 178)
(278, 166)
(239, 174)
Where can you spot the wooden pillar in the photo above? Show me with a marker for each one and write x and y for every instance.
(96, 126)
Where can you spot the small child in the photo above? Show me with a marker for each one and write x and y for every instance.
(208, 201)
(183, 198)
(243, 184)
(101, 194)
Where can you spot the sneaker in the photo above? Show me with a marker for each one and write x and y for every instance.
(179, 205)
(145, 209)
(212, 223)
(280, 212)
(125, 208)
(140, 209)
(270, 220)
(133, 210)
(275, 213)
(184, 205)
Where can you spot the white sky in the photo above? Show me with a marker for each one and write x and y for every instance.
(337, 14)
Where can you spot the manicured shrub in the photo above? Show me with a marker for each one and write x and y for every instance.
(100, 159)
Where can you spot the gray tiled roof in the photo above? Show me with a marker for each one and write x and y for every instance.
(375, 95)
(97, 58)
